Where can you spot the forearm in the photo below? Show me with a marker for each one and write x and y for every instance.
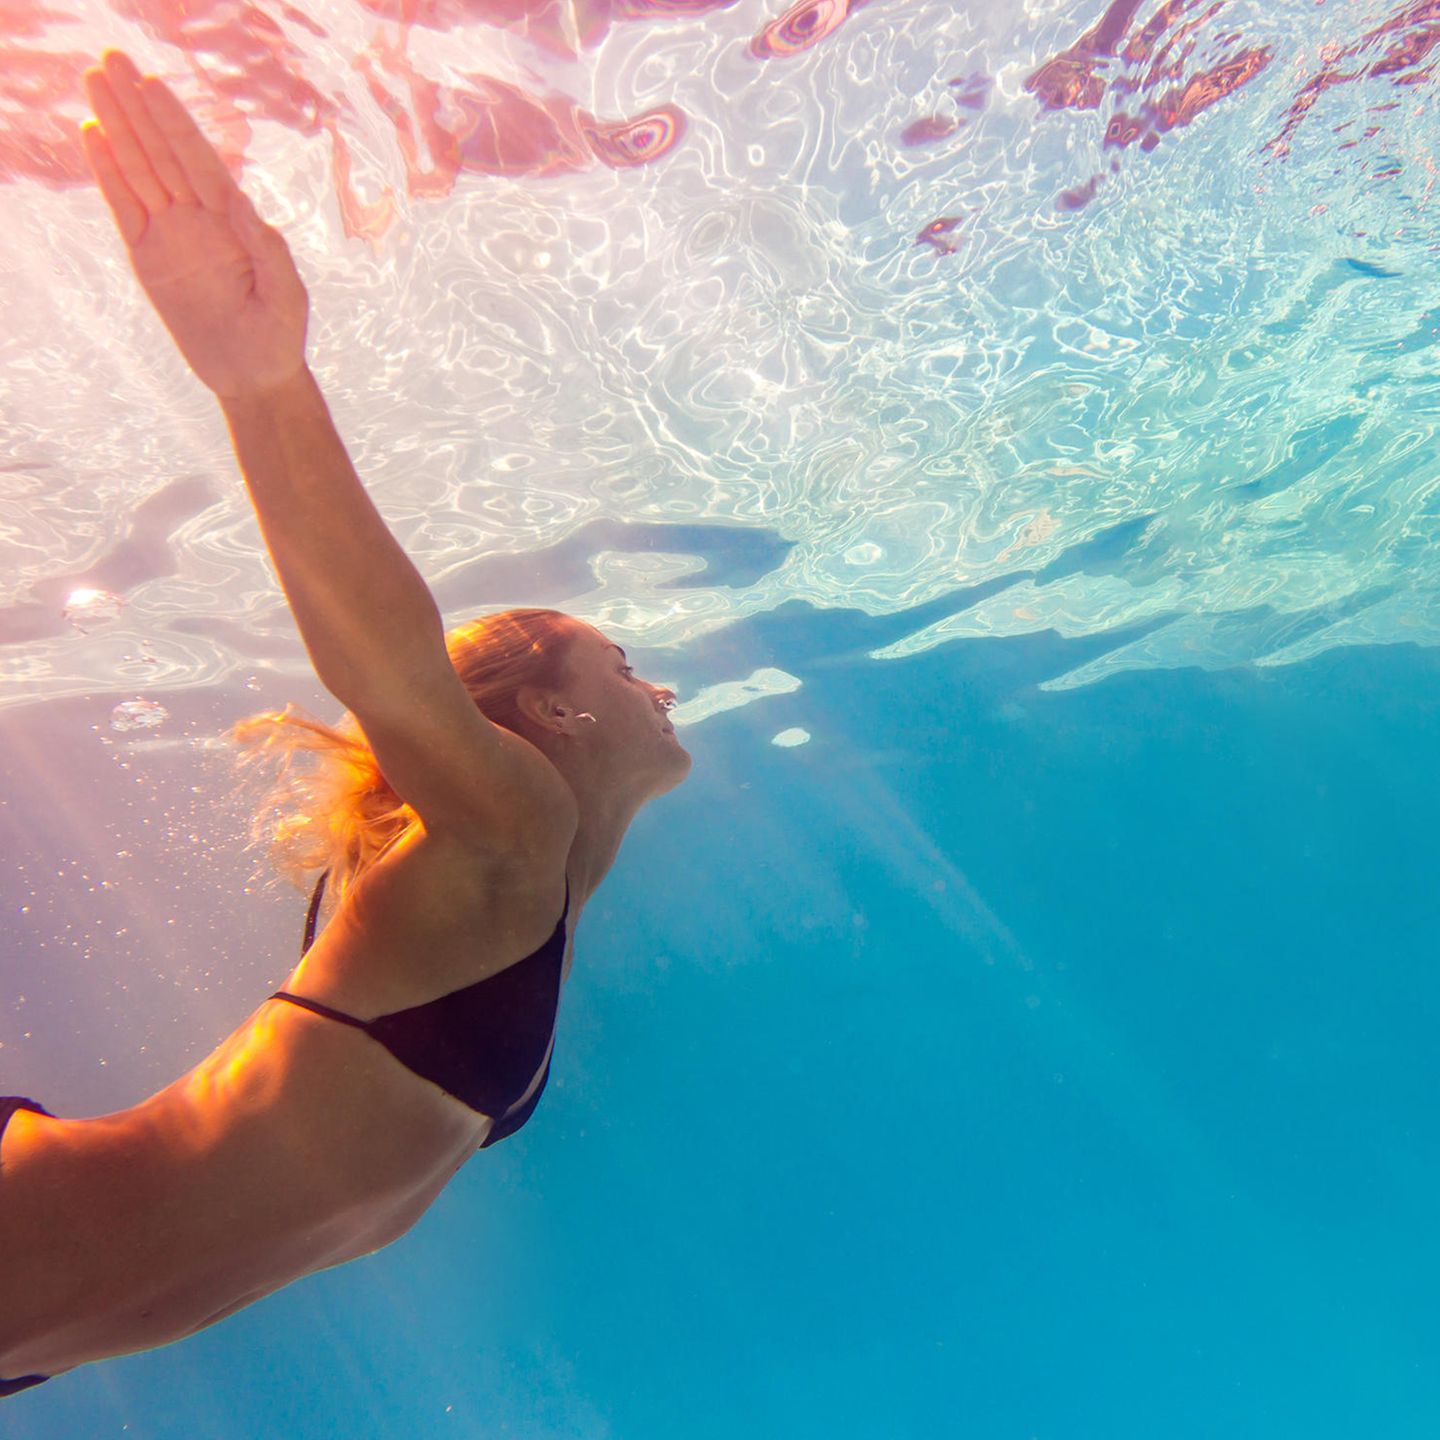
(365, 613)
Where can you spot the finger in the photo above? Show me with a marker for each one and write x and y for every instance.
(124, 81)
(203, 168)
(130, 158)
(130, 215)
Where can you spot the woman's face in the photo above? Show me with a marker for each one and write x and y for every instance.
(632, 713)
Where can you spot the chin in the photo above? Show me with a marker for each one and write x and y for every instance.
(679, 768)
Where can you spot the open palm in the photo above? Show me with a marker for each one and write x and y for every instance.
(221, 279)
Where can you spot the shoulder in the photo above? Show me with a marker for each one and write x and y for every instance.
(462, 774)
(511, 869)
(543, 812)
(437, 912)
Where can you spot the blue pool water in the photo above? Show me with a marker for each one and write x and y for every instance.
(1019, 1023)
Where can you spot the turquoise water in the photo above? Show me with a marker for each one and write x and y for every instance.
(1034, 1042)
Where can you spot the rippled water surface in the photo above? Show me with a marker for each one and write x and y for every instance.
(1109, 321)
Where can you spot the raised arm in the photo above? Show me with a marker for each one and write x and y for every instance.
(366, 615)
(227, 289)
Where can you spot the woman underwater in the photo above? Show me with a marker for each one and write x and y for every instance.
(499, 766)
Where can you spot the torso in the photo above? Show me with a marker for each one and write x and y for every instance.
(299, 1143)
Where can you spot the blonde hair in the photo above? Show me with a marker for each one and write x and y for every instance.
(327, 805)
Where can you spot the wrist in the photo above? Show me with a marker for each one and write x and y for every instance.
(300, 384)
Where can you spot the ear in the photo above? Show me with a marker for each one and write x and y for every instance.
(541, 708)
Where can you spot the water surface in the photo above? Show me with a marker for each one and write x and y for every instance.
(1013, 435)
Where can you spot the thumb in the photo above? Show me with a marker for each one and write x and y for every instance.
(274, 265)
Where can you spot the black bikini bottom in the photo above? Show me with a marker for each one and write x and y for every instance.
(9, 1104)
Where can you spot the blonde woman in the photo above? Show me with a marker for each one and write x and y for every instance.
(465, 813)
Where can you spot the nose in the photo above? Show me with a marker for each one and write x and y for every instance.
(666, 697)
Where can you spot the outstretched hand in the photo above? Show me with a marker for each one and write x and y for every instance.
(221, 279)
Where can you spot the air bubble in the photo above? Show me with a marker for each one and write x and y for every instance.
(138, 715)
(87, 607)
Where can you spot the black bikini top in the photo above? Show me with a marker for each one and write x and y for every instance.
(485, 1044)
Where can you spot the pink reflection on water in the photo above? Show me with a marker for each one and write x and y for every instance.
(969, 91)
(1068, 81)
(495, 128)
(1159, 74)
(928, 130)
(1157, 57)
(243, 68)
(1404, 52)
(938, 234)
(1071, 80)
(801, 26)
(563, 28)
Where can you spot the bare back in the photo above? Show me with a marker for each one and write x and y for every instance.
(297, 1144)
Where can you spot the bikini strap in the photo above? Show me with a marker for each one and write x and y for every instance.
(318, 1007)
(313, 912)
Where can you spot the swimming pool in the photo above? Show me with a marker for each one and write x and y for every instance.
(1012, 436)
